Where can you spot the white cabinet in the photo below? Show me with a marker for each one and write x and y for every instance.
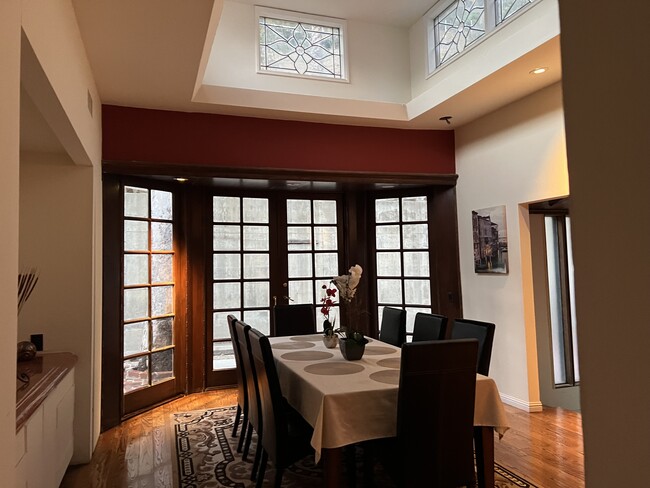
(44, 443)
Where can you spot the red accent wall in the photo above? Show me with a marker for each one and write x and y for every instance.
(157, 136)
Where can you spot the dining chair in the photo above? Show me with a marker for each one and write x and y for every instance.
(393, 326)
(429, 327)
(294, 319)
(254, 409)
(242, 386)
(435, 416)
(286, 435)
(484, 332)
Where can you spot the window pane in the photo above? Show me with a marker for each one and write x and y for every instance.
(325, 238)
(299, 238)
(220, 325)
(162, 332)
(225, 209)
(572, 294)
(298, 211)
(388, 264)
(555, 300)
(256, 294)
(388, 237)
(136, 338)
(288, 46)
(256, 211)
(136, 373)
(226, 267)
(414, 208)
(417, 292)
(162, 366)
(389, 291)
(162, 300)
(301, 291)
(161, 236)
(387, 210)
(300, 265)
(162, 268)
(325, 211)
(505, 8)
(260, 319)
(256, 266)
(226, 238)
(416, 236)
(136, 202)
(410, 316)
(136, 303)
(136, 269)
(416, 264)
(161, 205)
(226, 295)
(256, 238)
(223, 355)
(326, 264)
(136, 235)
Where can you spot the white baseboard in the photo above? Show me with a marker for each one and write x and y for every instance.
(521, 404)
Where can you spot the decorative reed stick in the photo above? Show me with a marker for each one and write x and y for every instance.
(26, 283)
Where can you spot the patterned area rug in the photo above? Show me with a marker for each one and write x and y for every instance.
(206, 457)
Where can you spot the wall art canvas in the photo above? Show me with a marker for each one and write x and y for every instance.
(490, 240)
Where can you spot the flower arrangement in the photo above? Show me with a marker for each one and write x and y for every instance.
(346, 286)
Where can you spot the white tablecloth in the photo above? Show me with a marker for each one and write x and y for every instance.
(352, 401)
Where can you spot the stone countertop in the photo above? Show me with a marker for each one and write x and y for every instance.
(45, 372)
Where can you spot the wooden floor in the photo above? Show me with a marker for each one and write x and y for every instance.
(545, 448)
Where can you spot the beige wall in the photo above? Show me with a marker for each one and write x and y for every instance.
(510, 157)
(56, 222)
(9, 147)
(608, 144)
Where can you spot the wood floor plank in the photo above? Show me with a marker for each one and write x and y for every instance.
(545, 448)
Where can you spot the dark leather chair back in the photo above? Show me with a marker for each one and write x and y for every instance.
(435, 413)
(429, 327)
(484, 332)
(294, 319)
(393, 326)
(242, 387)
(275, 429)
(254, 415)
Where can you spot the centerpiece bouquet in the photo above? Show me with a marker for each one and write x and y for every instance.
(346, 287)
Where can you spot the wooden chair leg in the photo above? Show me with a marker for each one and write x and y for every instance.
(247, 444)
(244, 430)
(260, 475)
(278, 477)
(237, 416)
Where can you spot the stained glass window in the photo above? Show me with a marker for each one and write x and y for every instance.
(457, 27)
(300, 48)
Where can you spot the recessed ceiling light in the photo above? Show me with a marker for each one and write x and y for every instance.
(539, 71)
(181, 180)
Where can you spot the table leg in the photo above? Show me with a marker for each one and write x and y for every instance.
(484, 448)
(332, 460)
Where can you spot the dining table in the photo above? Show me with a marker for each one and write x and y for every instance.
(347, 402)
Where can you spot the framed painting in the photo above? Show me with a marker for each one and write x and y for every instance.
(490, 240)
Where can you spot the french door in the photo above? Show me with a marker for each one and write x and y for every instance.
(266, 250)
(152, 312)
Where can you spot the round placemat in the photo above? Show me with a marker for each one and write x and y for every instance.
(389, 363)
(378, 350)
(293, 345)
(334, 368)
(307, 355)
(311, 337)
(388, 376)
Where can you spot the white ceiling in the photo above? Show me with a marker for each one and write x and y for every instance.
(148, 53)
